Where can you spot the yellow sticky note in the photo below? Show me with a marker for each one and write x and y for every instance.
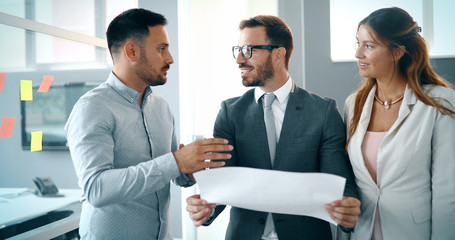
(37, 141)
(26, 90)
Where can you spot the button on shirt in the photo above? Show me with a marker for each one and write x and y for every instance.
(122, 154)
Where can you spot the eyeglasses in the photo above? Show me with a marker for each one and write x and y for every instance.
(247, 50)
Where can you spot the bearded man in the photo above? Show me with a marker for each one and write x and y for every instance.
(123, 141)
(307, 135)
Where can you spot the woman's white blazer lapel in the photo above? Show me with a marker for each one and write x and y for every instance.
(386, 148)
(390, 146)
(364, 178)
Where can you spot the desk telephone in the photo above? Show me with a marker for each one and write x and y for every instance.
(46, 187)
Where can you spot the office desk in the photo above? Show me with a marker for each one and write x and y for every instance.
(19, 207)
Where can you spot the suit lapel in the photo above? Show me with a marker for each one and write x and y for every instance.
(359, 135)
(294, 116)
(405, 109)
(385, 160)
(293, 113)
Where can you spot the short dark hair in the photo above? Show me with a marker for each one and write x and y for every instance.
(133, 23)
(278, 32)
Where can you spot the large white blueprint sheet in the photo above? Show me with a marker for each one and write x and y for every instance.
(271, 190)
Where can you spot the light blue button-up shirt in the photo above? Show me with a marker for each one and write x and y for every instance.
(122, 154)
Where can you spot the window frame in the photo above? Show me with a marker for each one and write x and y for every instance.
(32, 27)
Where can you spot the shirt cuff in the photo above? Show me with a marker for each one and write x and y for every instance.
(210, 219)
(346, 230)
(168, 166)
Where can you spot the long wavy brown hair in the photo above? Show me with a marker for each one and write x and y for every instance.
(394, 27)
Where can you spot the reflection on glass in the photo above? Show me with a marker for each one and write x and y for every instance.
(344, 21)
(114, 8)
(12, 42)
(62, 14)
(77, 16)
(12, 47)
(13, 7)
(57, 50)
(444, 32)
(86, 17)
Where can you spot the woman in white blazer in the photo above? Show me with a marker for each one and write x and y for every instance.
(401, 134)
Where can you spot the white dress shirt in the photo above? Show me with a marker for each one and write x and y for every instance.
(278, 106)
(278, 109)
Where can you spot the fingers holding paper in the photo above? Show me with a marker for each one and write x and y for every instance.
(199, 210)
(345, 212)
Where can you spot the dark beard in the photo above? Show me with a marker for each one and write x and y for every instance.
(149, 80)
(157, 81)
(265, 73)
(144, 72)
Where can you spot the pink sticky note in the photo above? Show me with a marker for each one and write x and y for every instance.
(46, 84)
(2, 80)
(6, 129)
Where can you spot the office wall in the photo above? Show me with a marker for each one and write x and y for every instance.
(291, 11)
(18, 167)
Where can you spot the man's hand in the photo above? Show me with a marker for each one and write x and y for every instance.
(345, 212)
(191, 158)
(198, 209)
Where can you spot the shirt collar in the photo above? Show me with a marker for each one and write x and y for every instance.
(281, 93)
(128, 93)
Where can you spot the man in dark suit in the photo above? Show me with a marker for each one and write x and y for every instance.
(308, 136)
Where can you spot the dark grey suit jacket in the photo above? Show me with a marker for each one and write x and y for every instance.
(312, 140)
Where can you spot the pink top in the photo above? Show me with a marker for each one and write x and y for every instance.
(370, 148)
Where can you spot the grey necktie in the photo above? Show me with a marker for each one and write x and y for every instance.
(269, 120)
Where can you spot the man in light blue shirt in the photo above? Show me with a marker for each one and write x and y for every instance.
(123, 141)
